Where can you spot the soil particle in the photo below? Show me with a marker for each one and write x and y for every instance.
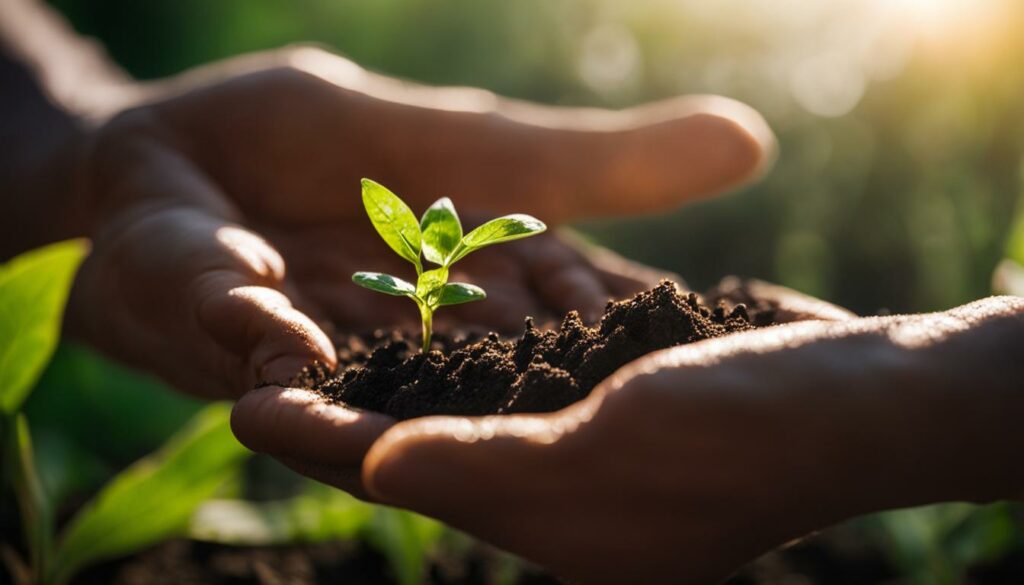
(541, 371)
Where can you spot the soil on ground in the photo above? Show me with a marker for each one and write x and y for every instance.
(188, 562)
(541, 371)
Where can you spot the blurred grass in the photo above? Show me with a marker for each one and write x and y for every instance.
(899, 176)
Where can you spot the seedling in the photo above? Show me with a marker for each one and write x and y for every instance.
(438, 238)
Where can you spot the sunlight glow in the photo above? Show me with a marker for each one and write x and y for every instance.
(937, 18)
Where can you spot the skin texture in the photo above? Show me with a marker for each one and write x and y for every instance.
(330, 441)
(217, 269)
(650, 478)
(224, 210)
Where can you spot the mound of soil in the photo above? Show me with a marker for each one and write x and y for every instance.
(541, 371)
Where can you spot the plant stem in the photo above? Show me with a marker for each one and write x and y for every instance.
(36, 513)
(427, 316)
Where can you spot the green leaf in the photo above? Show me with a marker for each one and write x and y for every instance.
(33, 290)
(456, 293)
(384, 283)
(1015, 244)
(81, 391)
(442, 230)
(65, 466)
(502, 229)
(405, 539)
(319, 514)
(393, 220)
(154, 498)
(430, 283)
(36, 507)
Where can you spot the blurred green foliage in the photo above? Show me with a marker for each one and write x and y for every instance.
(154, 498)
(900, 171)
(34, 287)
(900, 126)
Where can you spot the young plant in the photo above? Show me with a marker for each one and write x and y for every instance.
(438, 237)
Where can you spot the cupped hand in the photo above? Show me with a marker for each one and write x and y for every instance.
(227, 220)
(691, 461)
(329, 441)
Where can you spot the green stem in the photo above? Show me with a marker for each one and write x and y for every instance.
(427, 315)
(36, 514)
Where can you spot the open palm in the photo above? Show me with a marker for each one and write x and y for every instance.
(230, 220)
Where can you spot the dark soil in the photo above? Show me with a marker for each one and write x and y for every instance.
(840, 556)
(541, 371)
(185, 562)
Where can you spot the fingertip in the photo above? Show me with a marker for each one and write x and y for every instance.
(439, 463)
(411, 458)
(576, 288)
(259, 325)
(249, 415)
(753, 139)
(303, 425)
(685, 149)
(385, 467)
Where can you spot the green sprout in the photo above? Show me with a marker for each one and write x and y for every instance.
(438, 237)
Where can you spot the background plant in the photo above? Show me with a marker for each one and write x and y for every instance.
(149, 501)
(899, 196)
(438, 237)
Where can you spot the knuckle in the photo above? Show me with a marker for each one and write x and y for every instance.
(119, 135)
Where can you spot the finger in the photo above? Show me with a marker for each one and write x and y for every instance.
(569, 162)
(500, 478)
(355, 308)
(509, 297)
(562, 277)
(237, 300)
(347, 479)
(506, 307)
(259, 324)
(785, 304)
(575, 288)
(447, 467)
(301, 428)
(625, 278)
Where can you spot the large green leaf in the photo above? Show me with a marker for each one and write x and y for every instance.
(33, 290)
(502, 229)
(155, 497)
(81, 391)
(442, 230)
(393, 220)
(66, 467)
(320, 513)
(456, 293)
(384, 283)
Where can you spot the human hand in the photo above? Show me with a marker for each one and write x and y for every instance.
(227, 222)
(297, 425)
(690, 462)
